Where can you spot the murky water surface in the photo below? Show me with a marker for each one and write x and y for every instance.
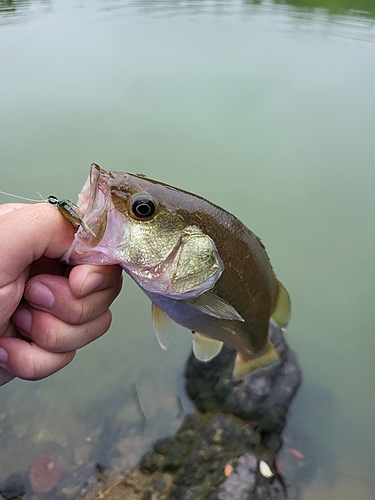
(265, 108)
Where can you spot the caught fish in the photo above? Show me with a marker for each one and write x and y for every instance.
(198, 264)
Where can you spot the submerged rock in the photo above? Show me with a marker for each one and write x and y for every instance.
(212, 457)
(227, 449)
(13, 488)
(263, 397)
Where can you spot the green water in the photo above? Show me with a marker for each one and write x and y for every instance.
(265, 108)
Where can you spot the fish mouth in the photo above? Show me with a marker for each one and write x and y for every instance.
(101, 217)
(93, 202)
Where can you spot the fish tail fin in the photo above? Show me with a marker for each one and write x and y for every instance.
(281, 312)
(243, 367)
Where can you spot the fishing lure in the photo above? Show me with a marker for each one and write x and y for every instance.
(71, 212)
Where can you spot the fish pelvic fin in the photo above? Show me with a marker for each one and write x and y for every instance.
(243, 367)
(281, 313)
(163, 326)
(205, 348)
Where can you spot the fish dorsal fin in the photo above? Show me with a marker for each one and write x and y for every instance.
(281, 313)
(205, 348)
(213, 305)
(163, 326)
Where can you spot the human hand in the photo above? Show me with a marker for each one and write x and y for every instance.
(47, 308)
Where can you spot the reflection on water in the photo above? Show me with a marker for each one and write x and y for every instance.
(347, 7)
(13, 10)
(349, 18)
(266, 108)
(344, 18)
(303, 12)
(362, 8)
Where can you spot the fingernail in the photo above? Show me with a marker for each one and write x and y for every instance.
(40, 295)
(3, 355)
(22, 318)
(93, 281)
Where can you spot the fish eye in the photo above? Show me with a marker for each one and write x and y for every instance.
(143, 207)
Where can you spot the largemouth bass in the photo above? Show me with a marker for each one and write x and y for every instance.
(198, 264)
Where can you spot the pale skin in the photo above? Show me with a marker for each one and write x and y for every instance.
(48, 310)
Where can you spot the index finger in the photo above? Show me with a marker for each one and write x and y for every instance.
(29, 232)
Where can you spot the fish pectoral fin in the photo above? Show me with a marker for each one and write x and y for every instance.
(205, 348)
(281, 313)
(243, 367)
(163, 326)
(213, 305)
